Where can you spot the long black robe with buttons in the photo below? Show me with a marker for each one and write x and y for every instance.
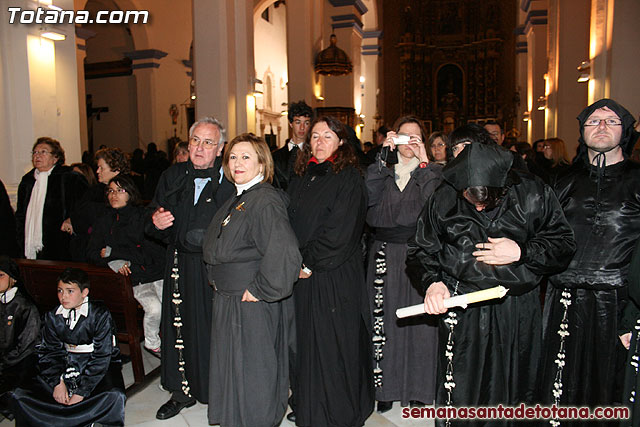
(497, 343)
(175, 193)
(256, 250)
(606, 221)
(333, 385)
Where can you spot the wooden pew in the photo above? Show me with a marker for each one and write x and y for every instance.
(113, 289)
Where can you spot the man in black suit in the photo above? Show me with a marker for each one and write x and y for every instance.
(284, 158)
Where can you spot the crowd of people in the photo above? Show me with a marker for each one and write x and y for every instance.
(271, 280)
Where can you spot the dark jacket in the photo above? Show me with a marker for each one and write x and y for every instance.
(123, 231)
(64, 189)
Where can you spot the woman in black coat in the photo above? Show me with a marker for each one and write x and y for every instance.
(47, 197)
(333, 384)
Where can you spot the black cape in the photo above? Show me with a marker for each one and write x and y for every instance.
(256, 250)
(496, 344)
(409, 353)
(64, 190)
(333, 385)
(175, 193)
(606, 223)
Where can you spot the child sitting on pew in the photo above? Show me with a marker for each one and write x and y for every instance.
(80, 380)
(118, 241)
(19, 334)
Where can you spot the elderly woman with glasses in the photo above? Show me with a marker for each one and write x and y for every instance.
(47, 196)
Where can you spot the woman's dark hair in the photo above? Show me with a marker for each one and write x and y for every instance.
(126, 183)
(490, 197)
(523, 148)
(345, 154)
(115, 158)
(56, 148)
(75, 276)
(472, 133)
(411, 119)
(86, 171)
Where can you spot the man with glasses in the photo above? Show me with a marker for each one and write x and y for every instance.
(187, 197)
(600, 196)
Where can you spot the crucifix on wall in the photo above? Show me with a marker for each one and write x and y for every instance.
(91, 113)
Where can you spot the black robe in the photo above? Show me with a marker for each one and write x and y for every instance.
(256, 251)
(19, 334)
(98, 373)
(631, 323)
(606, 222)
(175, 193)
(409, 353)
(64, 189)
(333, 385)
(497, 343)
(283, 163)
(8, 239)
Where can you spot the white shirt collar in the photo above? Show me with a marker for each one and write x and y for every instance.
(291, 144)
(83, 310)
(7, 296)
(242, 187)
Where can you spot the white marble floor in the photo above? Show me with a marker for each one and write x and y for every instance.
(141, 408)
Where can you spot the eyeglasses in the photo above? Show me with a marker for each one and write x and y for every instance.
(40, 152)
(442, 144)
(546, 146)
(608, 122)
(459, 146)
(207, 143)
(111, 191)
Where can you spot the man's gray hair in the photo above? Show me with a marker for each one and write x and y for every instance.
(208, 120)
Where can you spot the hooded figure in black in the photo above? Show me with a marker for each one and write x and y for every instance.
(488, 225)
(600, 196)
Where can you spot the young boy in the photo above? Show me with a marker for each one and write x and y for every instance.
(80, 380)
(19, 333)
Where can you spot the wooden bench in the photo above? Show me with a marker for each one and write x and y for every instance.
(113, 289)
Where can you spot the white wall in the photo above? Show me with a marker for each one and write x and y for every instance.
(270, 56)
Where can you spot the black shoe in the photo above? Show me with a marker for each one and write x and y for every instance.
(384, 406)
(173, 408)
(291, 416)
(415, 404)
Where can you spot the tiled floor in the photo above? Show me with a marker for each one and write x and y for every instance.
(141, 408)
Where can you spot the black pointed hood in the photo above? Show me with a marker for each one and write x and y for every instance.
(479, 165)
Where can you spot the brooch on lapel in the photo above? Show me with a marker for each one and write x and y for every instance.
(239, 208)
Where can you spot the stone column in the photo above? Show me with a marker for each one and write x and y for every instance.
(223, 62)
(303, 43)
(144, 63)
(614, 35)
(568, 47)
